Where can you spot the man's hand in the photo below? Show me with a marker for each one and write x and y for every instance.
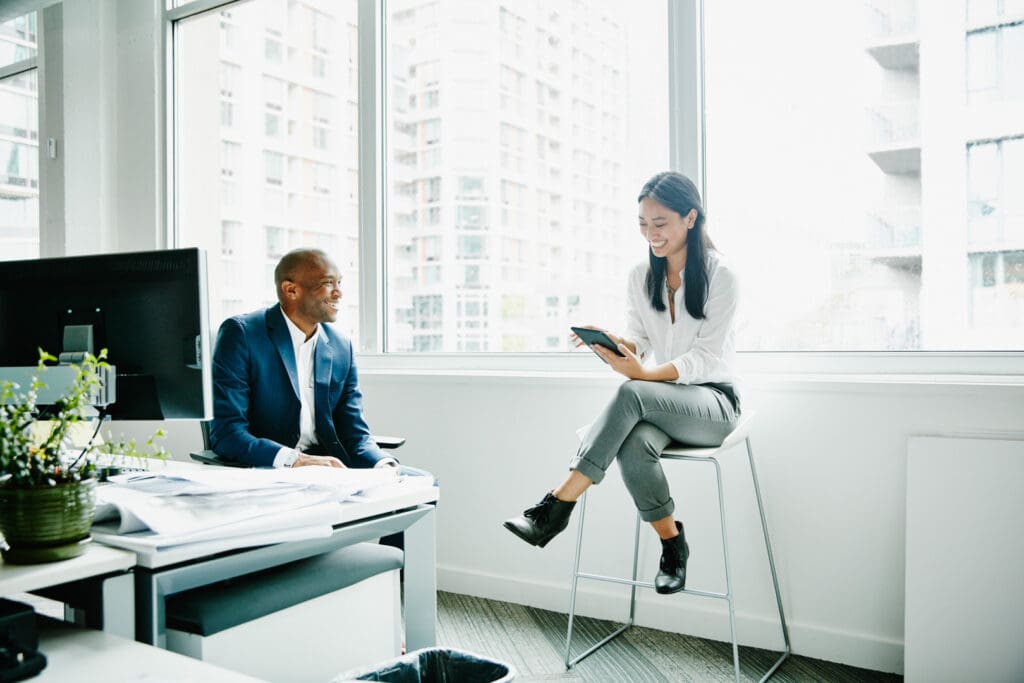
(311, 460)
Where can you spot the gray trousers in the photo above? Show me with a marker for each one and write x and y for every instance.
(635, 427)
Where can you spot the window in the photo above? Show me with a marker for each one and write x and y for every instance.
(272, 125)
(992, 11)
(521, 188)
(874, 244)
(993, 59)
(522, 150)
(231, 238)
(272, 51)
(274, 93)
(227, 114)
(280, 190)
(997, 295)
(230, 153)
(319, 137)
(19, 139)
(502, 141)
(995, 211)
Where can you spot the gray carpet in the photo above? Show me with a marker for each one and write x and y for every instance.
(533, 641)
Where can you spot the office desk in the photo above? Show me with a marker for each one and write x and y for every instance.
(86, 656)
(109, 566)
(163, 573)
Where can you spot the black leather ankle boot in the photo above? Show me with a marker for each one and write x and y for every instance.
(674, 553)
(542, 522)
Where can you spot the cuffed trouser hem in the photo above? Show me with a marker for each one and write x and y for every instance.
(587, 468)
(658, 512)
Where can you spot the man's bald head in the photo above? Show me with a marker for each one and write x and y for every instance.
(292, 265)
(309, 288)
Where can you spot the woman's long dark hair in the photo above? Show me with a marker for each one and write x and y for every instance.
(677, 192)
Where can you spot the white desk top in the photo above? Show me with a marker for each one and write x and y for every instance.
(83, 655)
(395, 499)
(97, 559)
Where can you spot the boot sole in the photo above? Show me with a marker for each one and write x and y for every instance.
(537, 544)
(670, 592)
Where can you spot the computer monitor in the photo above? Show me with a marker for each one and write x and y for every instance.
(148, 309)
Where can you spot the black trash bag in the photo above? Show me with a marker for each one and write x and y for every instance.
(434, 665)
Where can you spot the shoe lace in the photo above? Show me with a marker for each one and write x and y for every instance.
(539, 512)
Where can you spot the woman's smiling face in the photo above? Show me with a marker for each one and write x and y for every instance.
(664, 229)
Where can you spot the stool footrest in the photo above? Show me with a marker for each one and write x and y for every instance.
(648, 584)
(593, 649)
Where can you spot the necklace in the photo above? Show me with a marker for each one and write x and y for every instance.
(671, 291)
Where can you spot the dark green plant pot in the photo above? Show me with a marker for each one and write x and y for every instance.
(46, 523)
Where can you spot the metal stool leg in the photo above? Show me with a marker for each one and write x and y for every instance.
(569, 663)
(728, 574)
(636, 558)
(575, 578)
(771, 563)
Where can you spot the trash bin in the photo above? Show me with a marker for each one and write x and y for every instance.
(434, 665)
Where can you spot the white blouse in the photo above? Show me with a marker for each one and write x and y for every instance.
(701, 350)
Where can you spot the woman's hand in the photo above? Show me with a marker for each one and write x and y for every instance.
(577, 342)
(628, 364)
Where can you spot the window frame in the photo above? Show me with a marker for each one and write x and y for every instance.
(14, 69)
(687, 147)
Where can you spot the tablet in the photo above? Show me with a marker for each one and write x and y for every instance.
(591, 337)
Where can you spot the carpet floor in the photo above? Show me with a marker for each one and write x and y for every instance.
(533, 642)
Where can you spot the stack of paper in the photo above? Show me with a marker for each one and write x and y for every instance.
(227, 507)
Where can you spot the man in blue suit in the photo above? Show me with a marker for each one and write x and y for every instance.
(285, 389)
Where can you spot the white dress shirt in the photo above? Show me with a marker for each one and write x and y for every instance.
(701, 350)
(305, 350)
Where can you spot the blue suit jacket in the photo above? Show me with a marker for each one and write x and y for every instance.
(256, 393)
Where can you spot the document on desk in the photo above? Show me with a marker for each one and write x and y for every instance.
(193, 503)
(315, 521)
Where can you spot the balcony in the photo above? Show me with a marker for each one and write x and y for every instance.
(892, 236)
(892, 33)
(894, 141)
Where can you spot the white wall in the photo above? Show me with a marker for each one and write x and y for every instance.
(832, 464)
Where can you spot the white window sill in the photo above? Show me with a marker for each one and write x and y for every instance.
(821, 370)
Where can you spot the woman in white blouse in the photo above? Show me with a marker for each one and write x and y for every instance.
(681, 307)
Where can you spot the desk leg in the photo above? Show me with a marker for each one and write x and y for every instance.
(119, 606)
(149, 610)
(421, 583)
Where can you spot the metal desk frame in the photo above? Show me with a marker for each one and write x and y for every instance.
(154, 585)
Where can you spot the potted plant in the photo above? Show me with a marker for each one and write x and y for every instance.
(47, 486)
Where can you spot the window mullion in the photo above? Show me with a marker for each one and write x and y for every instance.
(686, 89)
(371, 172)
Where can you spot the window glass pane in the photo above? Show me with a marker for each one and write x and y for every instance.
(1013, 57)
(18, 39)
(288, 161)
(984, 174)
(19, 145)
(853, 234)
(982, 72)
(997, 293)
(519, 135)
(996, 212)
